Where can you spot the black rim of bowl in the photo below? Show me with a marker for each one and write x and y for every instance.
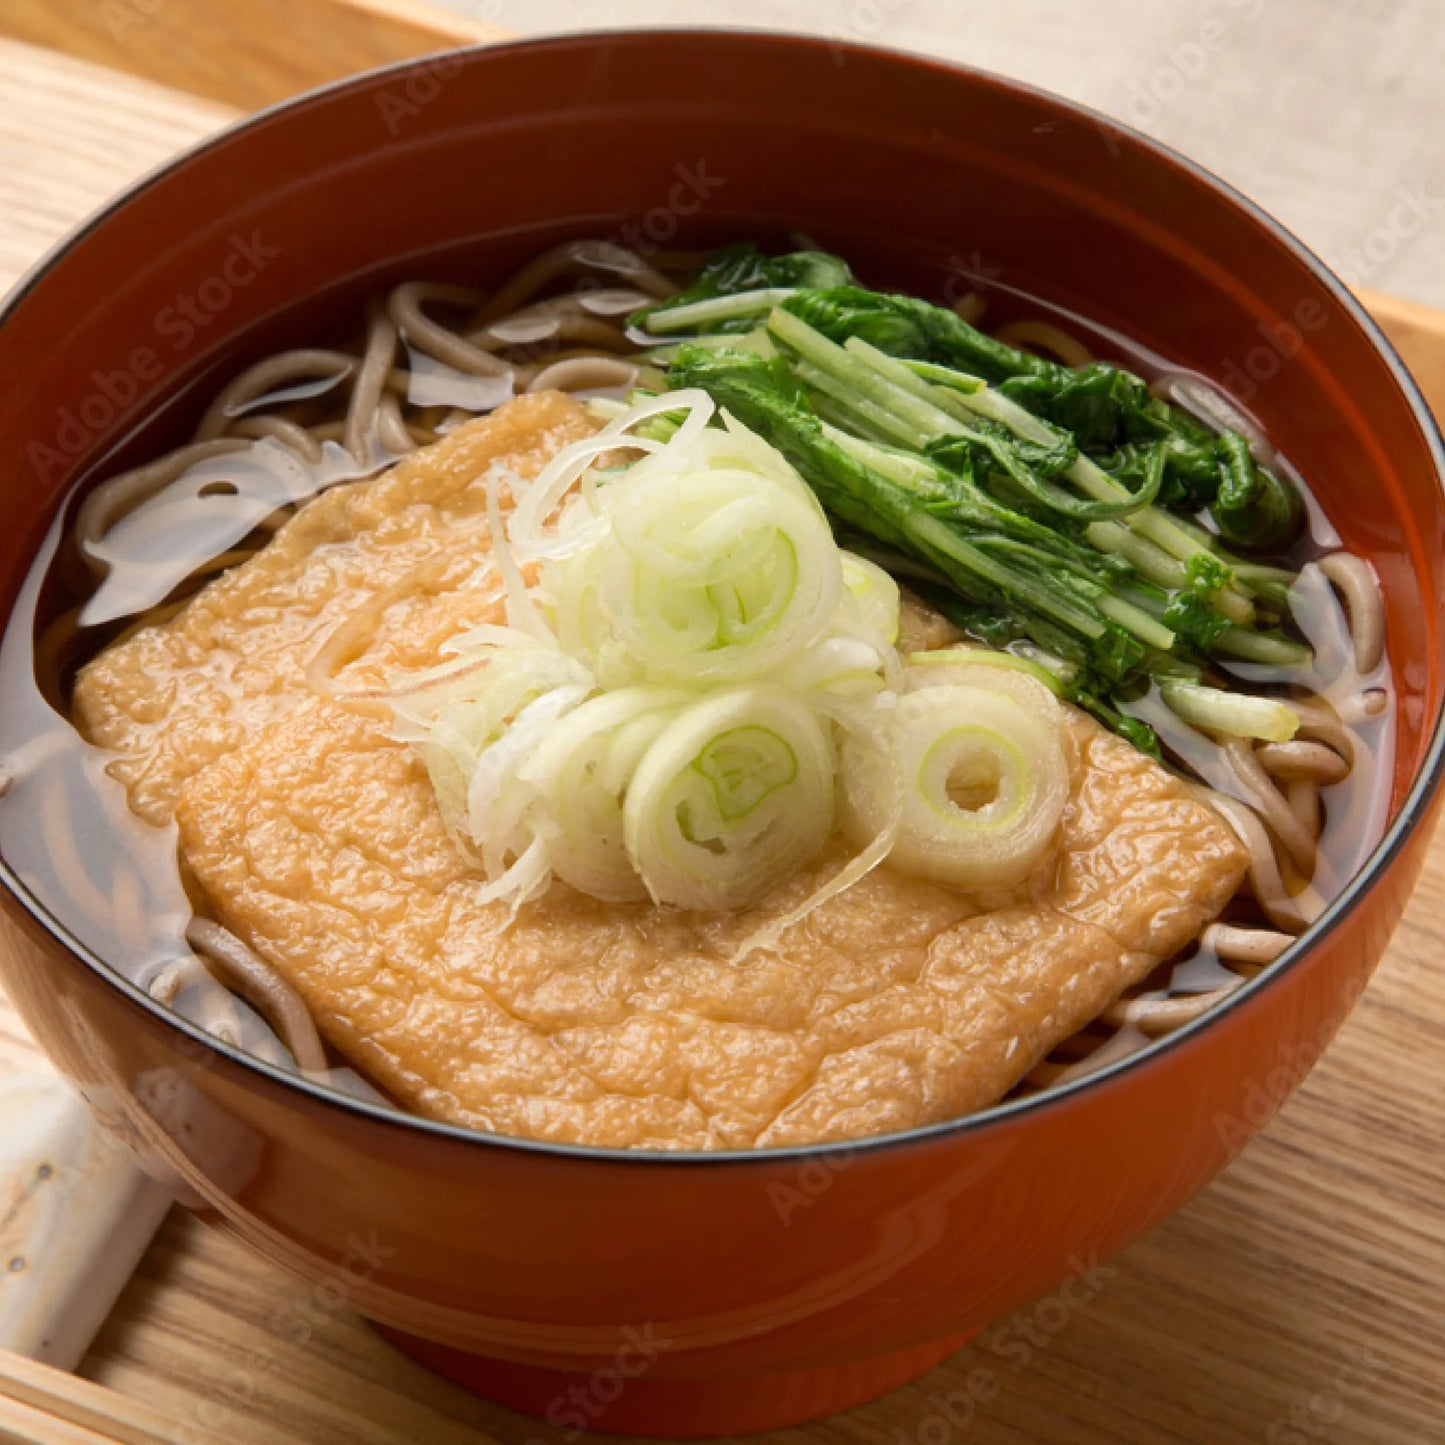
(1412, 811)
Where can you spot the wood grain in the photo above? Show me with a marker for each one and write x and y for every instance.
(1298, 1298)
(70, 136)
(245, 53)
(1417, 333)
(34, 1396)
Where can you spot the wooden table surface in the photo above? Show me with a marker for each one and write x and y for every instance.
(1298, 1298)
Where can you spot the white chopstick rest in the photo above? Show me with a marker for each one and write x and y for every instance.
(75, 1217)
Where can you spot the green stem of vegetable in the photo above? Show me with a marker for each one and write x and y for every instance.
(1255, 579)
(742, 304)
(1137, 621)
(908, 409)
(1090, 478)
(941, 544)
(849, 423)
(958, 403)
(879, 419)
(832, 360)
(901, 468)
(946, 377)
(1036, 492)
(1275, 651)
(1157, 566)
(1236, 713)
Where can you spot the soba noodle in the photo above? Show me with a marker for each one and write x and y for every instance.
(249, 975)
(434, 354)
(1045, 336)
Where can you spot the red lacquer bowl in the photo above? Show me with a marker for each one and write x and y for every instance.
(696, 1295)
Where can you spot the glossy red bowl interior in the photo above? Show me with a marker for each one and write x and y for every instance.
(764, 1288)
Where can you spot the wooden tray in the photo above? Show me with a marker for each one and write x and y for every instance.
(1298, 1298)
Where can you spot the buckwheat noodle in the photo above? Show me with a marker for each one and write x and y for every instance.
(435, 354)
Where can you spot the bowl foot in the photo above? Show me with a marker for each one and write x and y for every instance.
(681, 1409)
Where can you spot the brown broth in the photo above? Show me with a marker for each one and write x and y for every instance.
(114, 882)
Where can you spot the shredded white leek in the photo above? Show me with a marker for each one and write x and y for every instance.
(454, 712)
(581, 771)
(685, 651)
(716, 565)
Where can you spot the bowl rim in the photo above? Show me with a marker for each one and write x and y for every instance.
(1412, 811)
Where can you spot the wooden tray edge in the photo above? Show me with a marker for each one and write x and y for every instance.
(32, 1395)
(236, 53)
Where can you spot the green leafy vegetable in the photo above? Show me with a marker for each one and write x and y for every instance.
(1037, 504)
(1108, 412)
(739, 271)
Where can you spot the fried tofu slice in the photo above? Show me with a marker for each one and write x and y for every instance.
(896, 1004)
(319, 842)
(177, 696)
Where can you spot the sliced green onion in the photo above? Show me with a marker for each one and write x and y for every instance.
(454, 712)
(664, 726)
(735, 793)
(840, 666)
(985, 781)
(868, 729)
(498, 800)
(871, 597)
(581, 770)
(951, 662)
(716, 563)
